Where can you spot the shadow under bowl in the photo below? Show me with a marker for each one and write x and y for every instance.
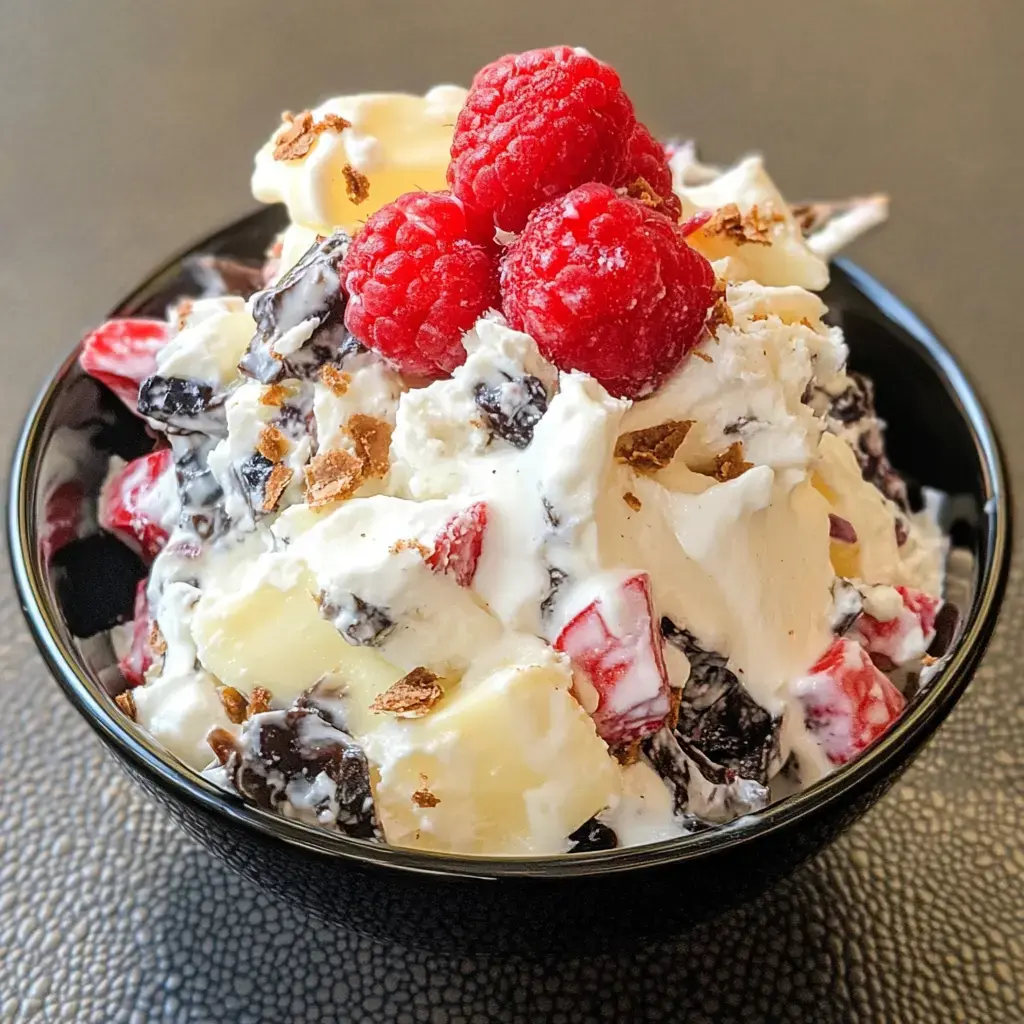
(938, 435)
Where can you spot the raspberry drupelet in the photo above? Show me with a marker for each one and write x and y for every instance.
(607, 285)
(417, 277)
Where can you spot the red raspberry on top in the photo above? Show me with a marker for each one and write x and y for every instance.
(607, 285)
(536, 125)
(649, 162)
(417, 279)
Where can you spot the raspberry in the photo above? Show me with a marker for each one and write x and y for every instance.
(139, 656)
(459, 544)
(647, 161)
(122, 354)
(417, 279)
(536, 125)
(607, 285)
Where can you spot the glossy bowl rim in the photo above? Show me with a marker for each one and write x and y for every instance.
(130, 742)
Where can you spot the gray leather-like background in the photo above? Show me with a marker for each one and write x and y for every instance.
(127, 128)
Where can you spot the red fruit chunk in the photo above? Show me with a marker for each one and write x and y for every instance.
(417, 279)
(695, 223)
(536, 125)
(125, 508)
(906, 636)
(460, 543)
(616, 645)
(847, 701)
(139, 656)
(648, 160)
(607, 285)
(62, 518)
(122, 354)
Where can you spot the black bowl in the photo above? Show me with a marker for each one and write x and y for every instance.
(938, 435)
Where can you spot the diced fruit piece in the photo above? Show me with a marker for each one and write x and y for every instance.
(510, 764)
(237, 644)
(460, 543)
(615, 643)
(62, 517)
(607, 285)
(905, 636)
(848, 702)
(139, 656)
(127, 505)
(122, 354)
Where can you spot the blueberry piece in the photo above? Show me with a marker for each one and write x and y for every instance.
(513, 407)
(591, 836)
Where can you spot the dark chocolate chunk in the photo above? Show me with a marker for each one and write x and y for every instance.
(591, 836)
(310, 291)
(297, 763)
(222, 275)
(947, 620)
(183, 405)
(359, 622)
(512, 407)
(555, 579)
(200, 495)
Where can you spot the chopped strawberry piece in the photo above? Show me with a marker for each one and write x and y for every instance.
(847, 701)
(904, 637)
(615, 643)
(128, 508)
(122, 354)
(62, 517)
(139, 656)
(695, 223)
(458, 546)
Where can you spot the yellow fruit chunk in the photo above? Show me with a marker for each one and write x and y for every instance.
(510, 765)
(845, 559)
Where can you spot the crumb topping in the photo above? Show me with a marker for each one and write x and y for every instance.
(720, 314)
(336, 381)
(730, 464)
(372, 438)
(632, 501)
(652, 448)
(357, 184)
(423, 797)
(156, 641)
(234, 704)
(299, 131)
(126, 702)
(275, 394)
(259, 701)
(628, 753)
(411, 697)
(332, 476)
(702, 355)
(642, 190)
(754, 226)
(272, 444)
(184, 311)
(409, 545)
(280, 477)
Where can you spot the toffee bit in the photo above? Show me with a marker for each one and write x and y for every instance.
(423, 797)
(412, 696)
(627, 753)
(259, 701)
(409, 545)
(183, 312)
(222, 743)
(234, 704)
(126, 702)
(642, 190)
(752, 227)
(336, 381)
(332, 476)
(759, 316)
(730, 464)
(720, 316)
(272, 444)
(156, 641)
(276, 394)
(702, 355)
(278, 479)
(652, 448)
(357, 184)
(295, 139)
(372, 438)
(632, 501)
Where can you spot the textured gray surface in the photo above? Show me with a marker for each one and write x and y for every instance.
(127, 129)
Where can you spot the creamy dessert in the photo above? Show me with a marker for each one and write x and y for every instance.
(522, 502)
